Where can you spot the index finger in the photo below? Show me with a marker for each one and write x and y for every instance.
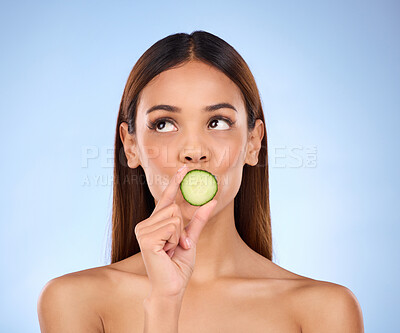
(170, 192)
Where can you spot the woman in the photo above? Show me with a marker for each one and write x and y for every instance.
(191, 102)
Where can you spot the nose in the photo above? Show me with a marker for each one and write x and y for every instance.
(194, 155)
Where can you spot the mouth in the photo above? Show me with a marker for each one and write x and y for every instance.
(203, 169)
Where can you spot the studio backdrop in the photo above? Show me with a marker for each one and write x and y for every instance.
(328, 75)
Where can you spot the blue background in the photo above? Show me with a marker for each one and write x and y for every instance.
(328, 73)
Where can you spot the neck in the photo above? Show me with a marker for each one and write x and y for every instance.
(219, 249)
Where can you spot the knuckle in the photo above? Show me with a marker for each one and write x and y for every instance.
(172, 227)
(177, 220)
(175, 207)
(137, 227)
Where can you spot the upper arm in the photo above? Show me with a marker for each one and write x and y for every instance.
(332, 308)
(63, 307)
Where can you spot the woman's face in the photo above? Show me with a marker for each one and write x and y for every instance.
(214, 139)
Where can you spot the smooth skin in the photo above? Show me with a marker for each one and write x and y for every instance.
(232, 288)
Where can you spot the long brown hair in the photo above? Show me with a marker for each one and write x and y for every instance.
(132, 200)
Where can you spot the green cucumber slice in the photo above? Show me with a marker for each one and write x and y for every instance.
(199, 187)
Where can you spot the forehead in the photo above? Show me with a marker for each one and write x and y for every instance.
(194, 84)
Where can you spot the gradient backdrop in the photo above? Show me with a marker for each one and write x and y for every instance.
(328, 73)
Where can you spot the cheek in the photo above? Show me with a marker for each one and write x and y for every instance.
(230, 170)
(229, 184)
(156, 162)
(158, 156)
(229, 155)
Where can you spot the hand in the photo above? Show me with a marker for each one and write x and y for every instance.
(163, 232)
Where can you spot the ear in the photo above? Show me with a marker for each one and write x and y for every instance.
(254, 143)
(130, 148)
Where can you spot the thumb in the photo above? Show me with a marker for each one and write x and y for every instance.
(199, 220)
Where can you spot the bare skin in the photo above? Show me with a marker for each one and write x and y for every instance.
(263, 297)
(232, 288)
(247, 301)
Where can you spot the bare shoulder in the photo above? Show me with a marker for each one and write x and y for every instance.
(317, 306)
(71, 302)
(327, 307)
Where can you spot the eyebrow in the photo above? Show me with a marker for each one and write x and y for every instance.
(209, 108)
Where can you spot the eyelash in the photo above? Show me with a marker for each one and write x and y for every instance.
(153, 124)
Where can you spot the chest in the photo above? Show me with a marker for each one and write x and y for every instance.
(209, 312)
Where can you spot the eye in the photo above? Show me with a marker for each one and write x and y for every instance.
(154, 124)
(216, 120)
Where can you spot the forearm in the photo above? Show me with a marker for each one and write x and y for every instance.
(161, 314)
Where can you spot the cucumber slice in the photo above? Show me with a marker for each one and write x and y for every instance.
(199, 187)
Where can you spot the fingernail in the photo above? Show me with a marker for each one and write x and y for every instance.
(171, 254)
(188, 243)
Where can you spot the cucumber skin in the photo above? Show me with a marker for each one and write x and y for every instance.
(180, 186)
